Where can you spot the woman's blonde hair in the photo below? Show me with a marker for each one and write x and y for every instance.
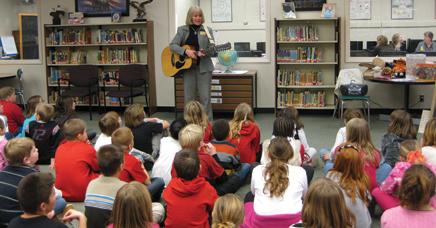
(132, 207)
(190, 137)
(429, 137)
(382, 40)
(243, 113)
(192, 10)
(134, 115)
(358, 133)
(228, 212)
(401, 124)
(353, 178)
(276, 171)
(324, 206)
(194, 114)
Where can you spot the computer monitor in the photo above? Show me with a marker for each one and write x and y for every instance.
(356, 45)
(260, 46)
(371, 44)
(412, 44)
(242, 46)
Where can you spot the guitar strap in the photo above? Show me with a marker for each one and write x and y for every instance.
(208, 35)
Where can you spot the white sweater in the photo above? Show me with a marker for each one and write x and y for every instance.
(162, 167)
(290, 203)
(296, 145)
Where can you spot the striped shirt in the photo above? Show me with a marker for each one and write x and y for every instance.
(9, 179)
(101, 192)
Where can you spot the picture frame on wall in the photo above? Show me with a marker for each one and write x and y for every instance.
(360, 9)
(308, 5)
(102, 8)
(402, 9)
(221, 11)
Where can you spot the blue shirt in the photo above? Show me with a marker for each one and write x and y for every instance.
(26, 125)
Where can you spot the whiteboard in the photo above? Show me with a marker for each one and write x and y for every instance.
(221, 10)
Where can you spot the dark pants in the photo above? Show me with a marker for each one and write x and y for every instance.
(156, 188)
(234, 182)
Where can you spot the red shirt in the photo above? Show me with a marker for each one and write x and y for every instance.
(207, 137)
(75, 166)
(209, 168)
(248, 142)
(133, 170)
(189, 202)
(14, 114)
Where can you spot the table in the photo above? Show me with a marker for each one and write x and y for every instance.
(404, 82)
(7, 75)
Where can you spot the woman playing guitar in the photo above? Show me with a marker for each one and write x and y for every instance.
(197, 79)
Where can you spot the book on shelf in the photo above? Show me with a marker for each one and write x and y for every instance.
(70, 36)
(117, 56)
(58, 75)
(66, 56)
(109, 36)
(298, 33)
(301, 99)
(287, 77)
(300, 54)
(110, 77)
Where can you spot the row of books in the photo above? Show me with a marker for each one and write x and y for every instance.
(287, 77)
(110, 101)
(69, 36)
(66, 56)
(101, 36)
(298, 33)
(115, 36)
(301, 99)
(300, 54)
(109, 77)
(117, 56)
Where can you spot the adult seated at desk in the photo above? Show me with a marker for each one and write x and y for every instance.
(427, 45)
(382, 46)
(398, 43)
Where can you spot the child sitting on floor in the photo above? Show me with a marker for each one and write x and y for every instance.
(133, 169)
(11, 110)
(107, 124)
(75, 161)
(228, 212)
(429, 142)
(3, 141)
(30, 115)
(245, 133)
(194, 114)
(189, 197)
(37, 198)
(169, 146)
(45, 132)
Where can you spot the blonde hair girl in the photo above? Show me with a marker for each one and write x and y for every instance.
(194, 114)
(324, 206)
(358, 134)
(245, 133)
(132, 207)
(228, 212)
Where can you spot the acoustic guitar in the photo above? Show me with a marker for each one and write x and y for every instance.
(173, 63)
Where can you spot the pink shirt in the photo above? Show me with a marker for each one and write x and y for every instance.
(3, 161)
(393, 181)
(401, 217)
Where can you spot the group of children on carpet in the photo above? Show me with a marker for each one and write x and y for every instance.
(151, 173)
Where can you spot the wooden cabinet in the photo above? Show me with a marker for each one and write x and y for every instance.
(228, 90)
(107, 46)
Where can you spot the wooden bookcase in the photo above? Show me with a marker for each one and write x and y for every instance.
(227, 91)
(307, 62)
(107, 46)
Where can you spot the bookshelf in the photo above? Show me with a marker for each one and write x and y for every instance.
(107, 46)
(307, 62)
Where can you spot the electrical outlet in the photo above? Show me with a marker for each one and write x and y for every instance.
(421, 98)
